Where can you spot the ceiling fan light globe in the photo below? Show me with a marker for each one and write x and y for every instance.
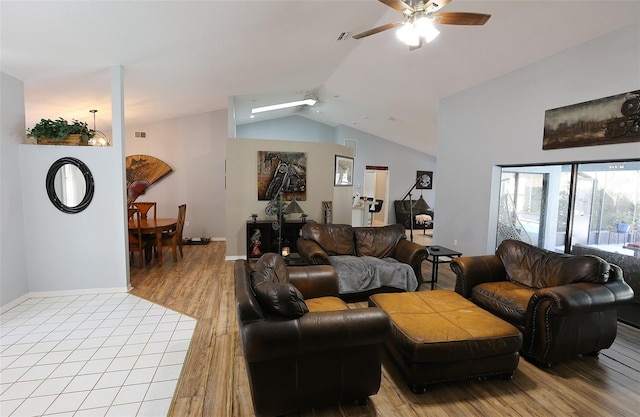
(408, 34)
(425, 28)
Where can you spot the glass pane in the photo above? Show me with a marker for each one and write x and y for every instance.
(606, 211)
(533, 205)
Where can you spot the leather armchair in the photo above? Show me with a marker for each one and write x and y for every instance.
(564, 305)
(302, 345)
(403, 212)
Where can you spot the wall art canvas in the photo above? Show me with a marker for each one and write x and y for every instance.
(605, 121)
(424, 180)
(284, 172)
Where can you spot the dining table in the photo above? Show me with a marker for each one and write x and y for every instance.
(155, 227)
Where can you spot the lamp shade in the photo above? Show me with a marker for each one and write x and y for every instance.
(293, 207)
(421, 204)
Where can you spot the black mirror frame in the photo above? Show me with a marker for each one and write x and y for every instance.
(88, 180)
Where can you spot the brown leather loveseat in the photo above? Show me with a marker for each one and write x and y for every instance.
(564, 305)
(367, 259)
(302, 345)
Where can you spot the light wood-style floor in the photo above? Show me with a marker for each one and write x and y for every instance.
(214, 381)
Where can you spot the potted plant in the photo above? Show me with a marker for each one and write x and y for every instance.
(60, 132)
(622, 227)
(624, 222)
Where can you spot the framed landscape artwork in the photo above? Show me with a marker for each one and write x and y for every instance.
(605, 121)
(343, 171)
(424, 180)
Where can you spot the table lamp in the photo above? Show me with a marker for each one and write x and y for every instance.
(293, 207)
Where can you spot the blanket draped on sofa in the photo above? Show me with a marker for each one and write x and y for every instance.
(361, 273)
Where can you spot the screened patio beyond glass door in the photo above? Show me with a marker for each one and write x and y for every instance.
(533, 205)
(606, 210)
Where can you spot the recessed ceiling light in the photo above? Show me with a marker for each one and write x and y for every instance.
(306, 102)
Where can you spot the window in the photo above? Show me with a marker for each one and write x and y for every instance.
(607, 211)
(533, 205)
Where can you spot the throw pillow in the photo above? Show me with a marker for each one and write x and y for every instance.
(270, 283)
(283, 299)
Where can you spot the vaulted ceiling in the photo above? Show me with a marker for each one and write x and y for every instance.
(188, 57)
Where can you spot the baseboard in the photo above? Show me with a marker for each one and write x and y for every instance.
(234, 258)
(62, 293)
(14, 303)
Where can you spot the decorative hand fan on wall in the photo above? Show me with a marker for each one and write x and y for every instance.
(142, 172)
(419, 18)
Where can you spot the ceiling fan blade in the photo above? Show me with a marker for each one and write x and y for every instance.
(433, 5)
(397, 4)
(376, 30)
(460, 18)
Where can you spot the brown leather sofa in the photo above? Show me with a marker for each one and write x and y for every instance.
(564, 305)
(380, 252)
(302, 345)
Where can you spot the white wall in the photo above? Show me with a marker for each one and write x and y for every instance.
(294, 128)
(195, 148)
(74, 251)
(13, 264)
(44, 250)
(403, 165)
(87, 250)
(501, 122)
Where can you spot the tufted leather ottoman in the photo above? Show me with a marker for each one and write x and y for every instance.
(440, 336)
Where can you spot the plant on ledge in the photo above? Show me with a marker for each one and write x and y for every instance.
(47, 130)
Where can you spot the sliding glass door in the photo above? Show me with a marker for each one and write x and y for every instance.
(607, 206)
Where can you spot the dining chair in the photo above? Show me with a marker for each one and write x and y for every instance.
(136, 241)
(174, 237)
(144, 208)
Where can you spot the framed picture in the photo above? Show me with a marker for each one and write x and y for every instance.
(282, 172)
(344, 171)
(424, 180)
(605, 121)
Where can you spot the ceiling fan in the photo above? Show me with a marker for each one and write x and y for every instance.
(419, 17)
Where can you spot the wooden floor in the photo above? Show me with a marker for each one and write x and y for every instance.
(214, 381)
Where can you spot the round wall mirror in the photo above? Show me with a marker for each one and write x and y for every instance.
(69, 185)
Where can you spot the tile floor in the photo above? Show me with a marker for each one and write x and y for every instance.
(91, 355)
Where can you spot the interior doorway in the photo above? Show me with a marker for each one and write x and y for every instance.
(376, 187)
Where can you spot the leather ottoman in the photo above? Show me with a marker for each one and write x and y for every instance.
(440, 336)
